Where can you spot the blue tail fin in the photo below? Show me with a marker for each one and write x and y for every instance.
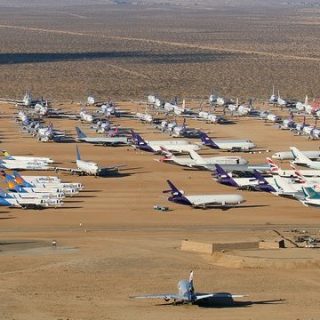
(80, 133)
(19, 180)
(78, 153)
(208, 141)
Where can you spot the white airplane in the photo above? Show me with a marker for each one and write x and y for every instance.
(153, 100)
(90, 168)
(23, 165)
(180, 146)
(144, 117)
(281, 102)
(195, 160)
(230, 145)
(187, 295)
(273, 99)
(56, 192)
(275, 169)
(48, 180)
(303, 160)
(169, 107)
(305, 106)
(25, 158)
(85, 116)
(32, 181)
(203, 201)
(211, 117)
(288, 155)
(28, 203)
(106, 141)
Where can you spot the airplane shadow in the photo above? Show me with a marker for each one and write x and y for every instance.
(227, 303)
(71, 207)
(7, 218)
(237, 304)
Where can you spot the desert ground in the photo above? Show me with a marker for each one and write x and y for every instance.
(111, 243)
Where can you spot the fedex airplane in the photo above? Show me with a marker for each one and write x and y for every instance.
(203, 201)
(229, 145)
(180, 146)
(187, 295)
(255, 183)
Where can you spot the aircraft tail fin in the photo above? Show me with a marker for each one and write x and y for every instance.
(173, 189)
(138, 140)
(224, 177)
(274, 168)
(311, 193)
(191, 281)
(259, 177)
(207, 141)
(78, 153)
(19, 179)
(298, 155)
(80, 133)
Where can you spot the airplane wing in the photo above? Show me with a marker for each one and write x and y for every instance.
(72, 170)
(168, 296)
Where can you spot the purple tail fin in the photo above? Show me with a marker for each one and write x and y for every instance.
(224, 177)
(208, 141)
(173, 189)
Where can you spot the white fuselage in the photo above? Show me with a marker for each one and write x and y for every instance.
(235, 144)
(287, 155)
(215, 200)
(88, 167)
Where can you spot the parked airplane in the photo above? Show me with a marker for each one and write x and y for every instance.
(197, 161)
(304, 106)
(8, 156)
(86, 116)
(15, 187)
(302, 160)
(187, 295)
(23, 165)
(275, 169)
(106, 141)
(180, 146)
(288, 155)
(255, 183)
(17, 201)
(90, 168)
(48, 180)
(203, 201)
(312, 197)
(229, 145)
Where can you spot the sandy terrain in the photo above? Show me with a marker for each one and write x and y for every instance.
(124, 247)
(111, 243)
